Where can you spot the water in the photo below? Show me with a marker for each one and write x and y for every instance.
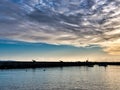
(66, 78)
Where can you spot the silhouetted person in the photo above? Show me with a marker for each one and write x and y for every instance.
(60, 60)
(33, 61)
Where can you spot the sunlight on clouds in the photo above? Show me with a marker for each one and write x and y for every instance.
(63, 22)
(113, 48)
(114, 32)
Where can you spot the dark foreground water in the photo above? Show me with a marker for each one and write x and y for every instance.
(66, 78)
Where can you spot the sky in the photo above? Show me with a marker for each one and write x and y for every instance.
(53, 30)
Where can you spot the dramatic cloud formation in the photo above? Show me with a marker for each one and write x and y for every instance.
(69, 22)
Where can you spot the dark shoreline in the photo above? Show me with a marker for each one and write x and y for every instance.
(20, 65)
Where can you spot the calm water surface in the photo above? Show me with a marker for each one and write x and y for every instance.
(66, 78)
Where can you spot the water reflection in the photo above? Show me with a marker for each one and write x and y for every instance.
(61, 78)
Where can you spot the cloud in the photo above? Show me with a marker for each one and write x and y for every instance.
(113, 48)
(69, 22)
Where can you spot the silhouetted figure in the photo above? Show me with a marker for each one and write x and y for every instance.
(33, 61)
(60, 60)
(87, 61)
